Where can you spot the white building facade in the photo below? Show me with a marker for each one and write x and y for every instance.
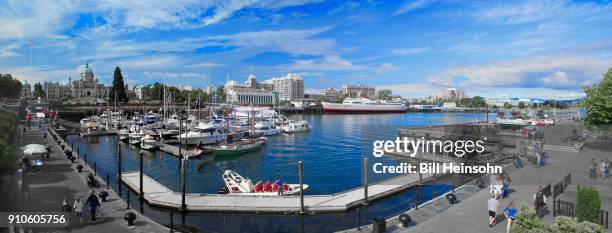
(250, 93)
(289, 87)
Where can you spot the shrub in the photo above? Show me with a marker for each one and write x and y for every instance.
(568, 225)
(587, 204)
(527, 222)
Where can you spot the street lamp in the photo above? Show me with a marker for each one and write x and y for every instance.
(182, 117)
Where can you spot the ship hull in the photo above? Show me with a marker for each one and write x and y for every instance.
(346, 108)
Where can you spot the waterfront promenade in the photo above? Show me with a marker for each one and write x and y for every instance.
(470, 214)
(159, 195)
(44, 190)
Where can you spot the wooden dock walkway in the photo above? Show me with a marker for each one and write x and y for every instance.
(174, 150)
(159, 195)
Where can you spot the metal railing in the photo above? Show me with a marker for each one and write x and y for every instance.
(566, 208)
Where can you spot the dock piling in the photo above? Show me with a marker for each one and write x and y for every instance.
(302, 210)
(119, 167)
(365, 181)
(107, 181)
(141, 194)
(95, 169)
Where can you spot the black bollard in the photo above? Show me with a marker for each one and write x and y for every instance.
(85, 158)
(95, 173)
(107, 181)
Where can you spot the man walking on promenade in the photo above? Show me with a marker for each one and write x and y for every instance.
(493, 205)
(94, 203)
(539, 201)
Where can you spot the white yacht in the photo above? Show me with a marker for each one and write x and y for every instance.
(265, 129)
(148, 142)
(204, 133)
(135, 138)
(124, 134)
(295, 126)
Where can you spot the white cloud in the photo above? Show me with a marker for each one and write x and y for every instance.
(36, 18)
(151, 62)
(410, 51)
(327, 63)
(412, 5)
(207, 65)
(291, 41)
(175, 75)
(561, 72)
(9, 50)
(533, 11)
(386, 68)
(40, 18)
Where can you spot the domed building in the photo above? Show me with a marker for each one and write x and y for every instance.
(85, 89)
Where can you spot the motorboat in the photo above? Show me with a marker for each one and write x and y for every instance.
(135, 138)
(204, 133)
(148, 142)
(124, 134)
(265, 129)
(295, 126)
(238, 185)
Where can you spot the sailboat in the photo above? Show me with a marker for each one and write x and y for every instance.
(239, 147)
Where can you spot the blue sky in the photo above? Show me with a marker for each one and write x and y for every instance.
(415, 48)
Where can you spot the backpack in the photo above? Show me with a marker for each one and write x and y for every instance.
(539, 199)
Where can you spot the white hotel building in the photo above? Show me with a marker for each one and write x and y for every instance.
(287, 88)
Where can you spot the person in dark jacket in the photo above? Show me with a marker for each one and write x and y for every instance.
(93, 203)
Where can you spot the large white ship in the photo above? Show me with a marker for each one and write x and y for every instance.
(364, 105)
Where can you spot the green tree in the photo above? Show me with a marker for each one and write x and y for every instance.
(38, 91)
(220, 95)
(521, 105)
(157, 91)
(118, 88)
(527, 221)
(384, 94)
(587, 204)
(507, 105)
(478, 101)
(598, 102)
(9, 87)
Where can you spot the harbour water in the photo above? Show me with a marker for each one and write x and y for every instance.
(331, 152)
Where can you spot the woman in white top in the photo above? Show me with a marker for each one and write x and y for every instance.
(78, 209)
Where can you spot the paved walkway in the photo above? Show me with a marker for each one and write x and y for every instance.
(470, 214)
(45, 189)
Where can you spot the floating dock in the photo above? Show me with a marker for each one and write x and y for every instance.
(98, 133)
(174, 150)
(159, 195)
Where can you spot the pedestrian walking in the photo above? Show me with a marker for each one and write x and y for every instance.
(539, 202)
(493, 205)
(606, 168)
(65, 206)
(507, 182)
(93, 203)
(510, 213)
(602, 169)
(78, 209)
(593, 169)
